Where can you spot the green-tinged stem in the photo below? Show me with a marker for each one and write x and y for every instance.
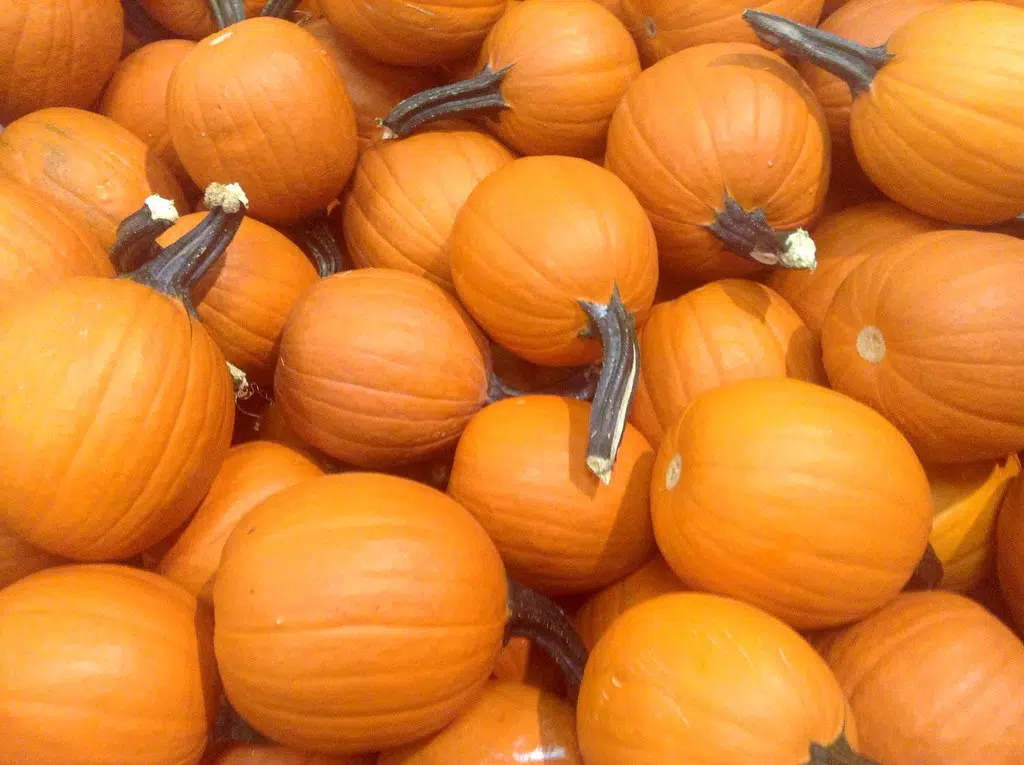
(281, 9)
(581, 386)
(620, 368)
(748, 235)
(838, 753)
(227, 12)
(544, 623)
(180, 265)
(850, 61)
(929, 572)
(137, 234)
(315, 238)
(231, 728)
(141, 24)
(478, 93)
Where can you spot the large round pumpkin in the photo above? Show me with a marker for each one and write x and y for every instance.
(18, 558)
(1010, 550)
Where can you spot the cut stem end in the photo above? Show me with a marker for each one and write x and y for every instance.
(749, 235)
(137, 234)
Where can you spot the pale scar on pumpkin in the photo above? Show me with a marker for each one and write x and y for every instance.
(220, 38)
(672, 472)
(871, 344)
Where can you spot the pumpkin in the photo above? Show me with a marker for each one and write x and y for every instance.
(272, 427)
(549, 252)
(933, 679)
(405, 194)
(1010, 550)
(845, 239)
(87, 164)
(40, 245)
(520, 466)
(727, 194)
(56, 53)
(939, 357)
(250, 473)
(104, 662)
(664, 27)
(960, 66)
(116, 408)
(379, 368)
(292, 152)
(374, 608)
(715, 678)
(966, 498)
(508, 722)
(195, 19)
(549, 76)
(414, 33)
(18, 558)
(738, 490)
(270, 754)
(723, 332)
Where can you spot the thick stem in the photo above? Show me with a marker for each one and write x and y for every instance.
(180, 265)
(281, 9)
(141, 24)
(137, 234)
(838, 753)
(748, 235)
(472, 95)
(850, 61)
(227, 12)
(620, 369)
(581, 386)
(537, 618)
(928, 574)
(315, 238)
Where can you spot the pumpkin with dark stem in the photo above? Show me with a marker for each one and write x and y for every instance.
(195, 19)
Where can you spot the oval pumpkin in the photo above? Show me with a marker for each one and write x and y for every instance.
(940, 357)
(1010, 550)
(270, 754)
(18, 558)
(738, 490)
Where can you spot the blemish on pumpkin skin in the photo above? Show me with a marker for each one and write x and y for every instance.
(673, 471)
(650, 28)
(220, 38)
(871, 344)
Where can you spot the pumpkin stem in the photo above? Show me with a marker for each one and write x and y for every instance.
(137, 234)
(581, 386)
(315, 238)
(227, 12)
(929, 572)
(616, 385)
(748, 235)
(837, 753)
(852, 62)
(141, 24)
(281, 9)
(543, 622)
(182, 264)
(475, 94)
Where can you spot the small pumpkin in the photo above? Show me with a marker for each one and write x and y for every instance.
(1010, 551)
(727, 194)
(18, 558)
(271, 754)
(723, 332)
(939, 357)
(933, 679)
(738, 490)
(123, 658)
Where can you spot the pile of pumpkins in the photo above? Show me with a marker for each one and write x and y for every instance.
(601, 382)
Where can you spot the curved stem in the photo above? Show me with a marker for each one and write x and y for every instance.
(615, 387)
(227, 12)
(180, 265)
(281, 9)
(748, 235)
(141, 24)
(475, 94)
(850, 61)
(539, 619)
(929, 572)
(137, 234)
(315, 238)
(837, 753)
(581, 386)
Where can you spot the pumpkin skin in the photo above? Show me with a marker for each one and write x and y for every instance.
(520, 661)
(190, 18)
(274, 428)
(680, 142)
(891, 341)
(676, 673)
(246, 296)
(223, 126)
(966, 498)
(387, 587)
(94, 169)
(508, 722)
(97, 373)
(755, 447)
(1010, 550)
(126, 668)
(414, 33)
(18, 558)
(40, 245)
(895, 668)
(56, 53)
(250, 473)
(405, 195)
(664, 27)
(356, 379)
(538, 235)
(269, 754)
(723, 332)
(845, 239)
(520, 466)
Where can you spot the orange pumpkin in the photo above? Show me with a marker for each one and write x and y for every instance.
(715, 678)
(380, 368)
(844, 240)
(939, 357)
(404, 197)
(272, 427)
(271, 754)
(738, 490)
(56, 53)
(123, 659)
(196, 19)
(1010, 550)
(292, 153)
(508, 722)
(933, 679)
(726, 194)
(723, 332)
(87, 164)
(18, 558)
